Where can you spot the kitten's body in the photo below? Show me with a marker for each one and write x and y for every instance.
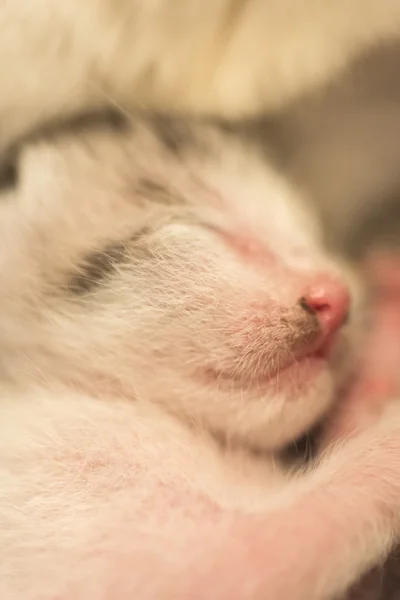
(230, 58)
(154, 359)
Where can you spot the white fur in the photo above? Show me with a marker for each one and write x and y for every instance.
(216, 307)
(126, 471)
(225, 57)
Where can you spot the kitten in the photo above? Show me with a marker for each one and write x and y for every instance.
(169, 322)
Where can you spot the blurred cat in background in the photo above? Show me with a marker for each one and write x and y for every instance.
(230, 58)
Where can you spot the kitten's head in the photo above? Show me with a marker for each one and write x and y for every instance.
(168, 263)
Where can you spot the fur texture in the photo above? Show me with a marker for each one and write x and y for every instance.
(226, 57)
(155, 357)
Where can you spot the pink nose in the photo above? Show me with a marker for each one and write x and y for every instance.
(329, 300)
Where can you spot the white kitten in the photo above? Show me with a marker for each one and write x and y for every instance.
(166, 307)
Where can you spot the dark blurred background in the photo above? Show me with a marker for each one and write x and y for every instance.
(342, 144)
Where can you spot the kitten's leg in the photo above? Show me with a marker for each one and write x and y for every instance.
(105, 514)
(324, 534)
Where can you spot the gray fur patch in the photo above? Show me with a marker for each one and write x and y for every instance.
(100, 265)
(175, 134)
(8, 174)
(157, 192)
(95, 267)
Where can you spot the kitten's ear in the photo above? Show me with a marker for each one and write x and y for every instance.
(52, 129)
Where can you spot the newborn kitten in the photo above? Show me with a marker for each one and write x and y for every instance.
(169, 322)
(229, 58)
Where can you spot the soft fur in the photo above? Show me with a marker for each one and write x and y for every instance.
(203, 250)
(154, 359)
(225, 57)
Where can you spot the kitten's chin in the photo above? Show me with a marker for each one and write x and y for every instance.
(268, 416)
(295, 377)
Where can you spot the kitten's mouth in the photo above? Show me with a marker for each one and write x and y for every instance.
(297, 372)
(295, 369)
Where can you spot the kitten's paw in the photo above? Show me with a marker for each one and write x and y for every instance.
(378, 380)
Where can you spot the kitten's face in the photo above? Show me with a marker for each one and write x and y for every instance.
(177, 268)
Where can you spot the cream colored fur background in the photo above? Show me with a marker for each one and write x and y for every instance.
(225, 57)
